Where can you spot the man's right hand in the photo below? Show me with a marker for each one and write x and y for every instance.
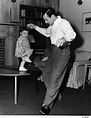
(32, 26)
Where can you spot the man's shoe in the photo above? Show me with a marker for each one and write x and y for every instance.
(45, 110)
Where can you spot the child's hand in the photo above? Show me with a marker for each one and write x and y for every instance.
(32, 26)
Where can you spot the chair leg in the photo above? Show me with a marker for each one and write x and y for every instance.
(16, 86)
(85, 76)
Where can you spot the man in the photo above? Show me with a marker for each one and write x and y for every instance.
(61, 34)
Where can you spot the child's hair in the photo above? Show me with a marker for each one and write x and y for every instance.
(22, 28)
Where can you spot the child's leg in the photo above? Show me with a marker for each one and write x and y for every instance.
(28, 55)
(27, 59)
(21, 68)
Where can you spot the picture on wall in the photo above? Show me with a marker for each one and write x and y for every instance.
(86, 22)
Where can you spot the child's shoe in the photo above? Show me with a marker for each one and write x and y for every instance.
(27, 60)
(22, 69)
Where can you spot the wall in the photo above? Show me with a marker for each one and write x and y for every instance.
(9, 13)
(73, 12)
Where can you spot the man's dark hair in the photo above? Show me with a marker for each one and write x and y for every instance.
(50, 11)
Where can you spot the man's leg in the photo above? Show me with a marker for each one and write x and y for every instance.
(53, 74)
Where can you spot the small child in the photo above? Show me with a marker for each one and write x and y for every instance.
(23, 48)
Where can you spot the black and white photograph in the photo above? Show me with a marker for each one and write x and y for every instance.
(45, 58)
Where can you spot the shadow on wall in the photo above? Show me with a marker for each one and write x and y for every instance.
(78, 41)
(75, 44)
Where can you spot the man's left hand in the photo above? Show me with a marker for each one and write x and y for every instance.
(60, 42)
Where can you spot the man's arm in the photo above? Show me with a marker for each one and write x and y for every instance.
(69, 34)
(68, 31)
(43, 31)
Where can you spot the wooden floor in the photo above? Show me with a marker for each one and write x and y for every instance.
(75, 101)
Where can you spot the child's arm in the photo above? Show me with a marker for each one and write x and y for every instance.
(20, 45)
(29, 52)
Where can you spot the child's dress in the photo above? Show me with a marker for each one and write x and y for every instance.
(22, 47)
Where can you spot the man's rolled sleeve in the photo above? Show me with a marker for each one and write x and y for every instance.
(43, 31)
